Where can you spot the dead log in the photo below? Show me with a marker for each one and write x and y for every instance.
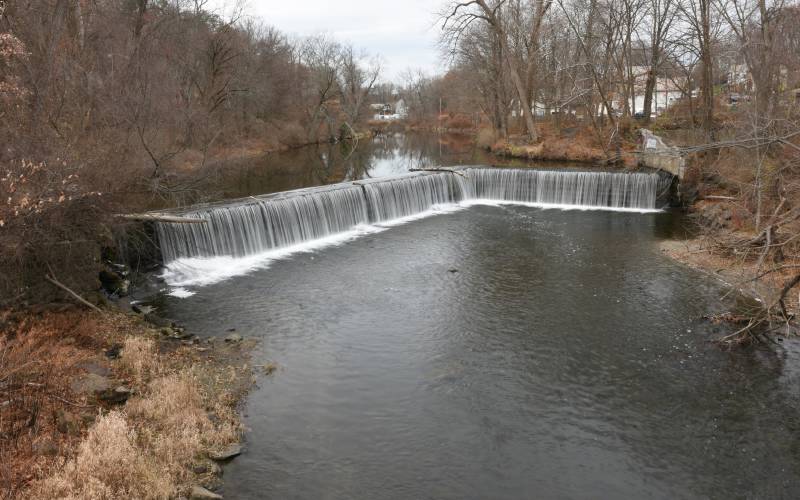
(437, 170)
(172, 219)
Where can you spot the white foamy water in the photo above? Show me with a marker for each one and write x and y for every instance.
(202, 271)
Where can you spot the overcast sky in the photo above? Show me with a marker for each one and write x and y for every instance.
(402, 32)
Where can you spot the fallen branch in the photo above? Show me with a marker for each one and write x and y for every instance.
(784, 291)
(73, 294)
(714, 197)
(173, 219)
(71, 402)
(437, 170)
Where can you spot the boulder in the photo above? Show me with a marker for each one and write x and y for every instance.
(114, 352)
(227, 453)
(113, 283)
(90, 383)
(117, 395)
(233, 338)
(208, 467)
(200, 493)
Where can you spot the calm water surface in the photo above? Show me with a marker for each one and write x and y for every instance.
(381, 156)
(501, 353)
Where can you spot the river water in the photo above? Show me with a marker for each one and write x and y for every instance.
(501, 352)
(382, 156)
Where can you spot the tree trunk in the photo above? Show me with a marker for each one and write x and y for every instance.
(522, 95)
(519, 85)
(707, 81)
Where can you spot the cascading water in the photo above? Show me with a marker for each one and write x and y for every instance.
(259, 224)
(395, 198)
(255, 225)
(578, 189)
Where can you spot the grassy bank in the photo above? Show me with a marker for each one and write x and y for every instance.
(106, 405)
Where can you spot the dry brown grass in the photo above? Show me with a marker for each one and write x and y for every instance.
(139, 357)
(38, 357)
(109, 464)
(146, 451)
(182, 408)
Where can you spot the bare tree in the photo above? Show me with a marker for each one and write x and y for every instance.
(461, 17)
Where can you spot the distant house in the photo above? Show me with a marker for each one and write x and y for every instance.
(400, 109)
(388, 112)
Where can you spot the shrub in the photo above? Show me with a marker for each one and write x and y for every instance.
(486, 138)
(458, 122)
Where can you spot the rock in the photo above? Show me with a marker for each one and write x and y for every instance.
(91, 383)
(67, 423)
(207, 468)
(158, 321)
(45, 447)
(113, 283)
(116, 395)
(200, 469)
(200, 493)
(221, 455)
(114, 351)
(269, 368)
(452, 270)
(95, 366)
(143, 310)
(233, 338)
(183, 334)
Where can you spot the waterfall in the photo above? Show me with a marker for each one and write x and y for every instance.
(395, 198)
(257, 224)
(582, 189)
(254, 225)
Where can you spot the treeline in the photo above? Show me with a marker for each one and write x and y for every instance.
(592, 58)
(139, 82)
(107, 104)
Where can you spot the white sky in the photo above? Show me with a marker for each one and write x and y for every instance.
(402, 32)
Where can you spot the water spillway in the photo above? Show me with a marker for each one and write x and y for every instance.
(257, 224)
(612, 190)
(405, 196)
(251, 226)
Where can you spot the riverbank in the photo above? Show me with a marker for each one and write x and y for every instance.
(741, 271)
(116, 405)
(561, 149)
(573, 143)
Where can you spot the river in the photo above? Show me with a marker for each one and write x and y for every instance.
(498, 351)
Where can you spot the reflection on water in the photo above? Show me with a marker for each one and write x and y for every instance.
(380, 156)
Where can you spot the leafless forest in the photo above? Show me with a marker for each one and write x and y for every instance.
(118, 105)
